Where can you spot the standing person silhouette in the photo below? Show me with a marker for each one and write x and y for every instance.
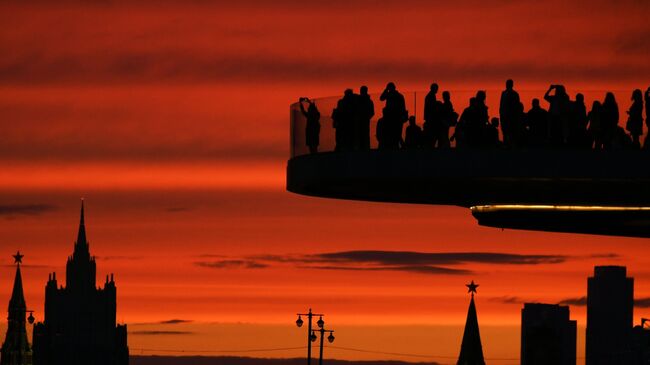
(432, 127)
(635, 118)
(609, 120)
(365, 111)
(413, 135)
(595, 125)
(343, 121)
(394, 116)
(647, 118)
(509, 112)
(578, 123)
(537, 123)
(312, 130)
(449, 119)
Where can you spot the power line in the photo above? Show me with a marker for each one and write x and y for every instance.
(414, 355)
(304, 347)
(218, 351)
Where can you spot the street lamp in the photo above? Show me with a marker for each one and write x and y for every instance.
(330, 338)
(30, 319)
(311, 335)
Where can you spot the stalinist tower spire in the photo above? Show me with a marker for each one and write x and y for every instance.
(81, 269)
(471, 350)
(81, 245)
(16, 349)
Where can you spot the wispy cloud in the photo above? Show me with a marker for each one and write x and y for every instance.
(582, 301)
(13, 210)
(160, 333)
(642, 302)
(436, 263)
(443, 258)
(578, 301)
(177, 209)
(119, 258)
(172, 321)
(176, 321)
(222, 264)
(509, 300)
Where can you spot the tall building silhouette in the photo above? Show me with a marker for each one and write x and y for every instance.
(79, 326)
(471, 350)
(548, 336)
(610, 305)
(15, 348)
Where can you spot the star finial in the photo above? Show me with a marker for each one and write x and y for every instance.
(18, 258)
(471, 287)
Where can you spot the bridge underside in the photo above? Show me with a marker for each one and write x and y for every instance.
(479, 178)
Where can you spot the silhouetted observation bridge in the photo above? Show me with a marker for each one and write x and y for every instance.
(550, 189)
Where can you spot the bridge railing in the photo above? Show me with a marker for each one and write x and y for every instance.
(415, 106)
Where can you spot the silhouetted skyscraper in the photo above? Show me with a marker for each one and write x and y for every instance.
(548, 336)
(79, 326)
(610, 303)
(15, 348)
(471, 350)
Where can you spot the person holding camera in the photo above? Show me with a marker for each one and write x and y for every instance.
(559, 108)
(312, 130)
(394, 116)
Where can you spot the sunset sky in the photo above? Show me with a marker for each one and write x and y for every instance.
(171, 119)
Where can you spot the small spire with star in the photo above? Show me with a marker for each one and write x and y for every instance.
(471, 349)
(18, 258)
(471, 287)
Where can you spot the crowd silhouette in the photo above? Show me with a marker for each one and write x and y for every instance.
(566, 124)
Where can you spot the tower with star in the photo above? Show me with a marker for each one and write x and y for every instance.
(80, 319)
(15, 348)
(471, 350)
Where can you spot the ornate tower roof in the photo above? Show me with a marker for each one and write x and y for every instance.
(471, 350)
(81, 244)
(16, 349)
(81, 269)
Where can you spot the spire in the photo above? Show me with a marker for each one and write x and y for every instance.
(15, 349)
(81, 236)
(471, 350)
(17, 301)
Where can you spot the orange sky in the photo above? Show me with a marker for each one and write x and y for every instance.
(171, 119)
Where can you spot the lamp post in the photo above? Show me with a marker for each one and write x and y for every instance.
(311, 336)
(330, 338)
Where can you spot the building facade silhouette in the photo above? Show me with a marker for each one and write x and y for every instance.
(80, 325)
(610, 305)
(548, 336)
(15, 348)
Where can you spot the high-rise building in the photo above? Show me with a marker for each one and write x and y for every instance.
(15, 348)
(548, 336)
(471, 350)
(610, 305)
(79, 326)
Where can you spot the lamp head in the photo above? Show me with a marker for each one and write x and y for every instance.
(320, 322)
(330, 338)
(299, 321)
